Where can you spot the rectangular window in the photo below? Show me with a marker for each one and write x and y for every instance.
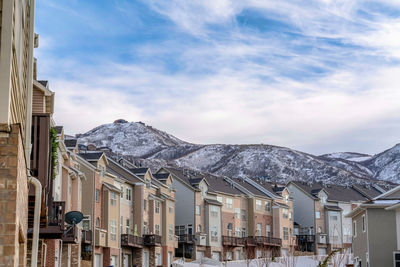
(229, 203)
(285, 213)
(171, 232)
(237, 213)
(214, 210)
(197, 210)
(267, 206)
(354, 228)
(285, 233)
(180, 230)
(258, 231)
(144, 204)
(214, 234)
(122, 191)
(363, 223)
(102, 171)
(220, 200)
(258, 205)
(97, 195)
(268, 230)
(157, 229)
(86, 222)
(290, 215)
(243, 212)
(128, 194)
(317, 215)
(157, 207)
(113, 198)
(237, 231)
(128, 223)
(171, 207)
(113, 230)
(243, 232)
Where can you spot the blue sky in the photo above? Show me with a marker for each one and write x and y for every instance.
(318, 75)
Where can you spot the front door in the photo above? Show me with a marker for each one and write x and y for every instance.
(97, 260)
(146, 259)
(126, 260)
(169, 258)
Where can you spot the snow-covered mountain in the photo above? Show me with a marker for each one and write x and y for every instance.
(154, 148)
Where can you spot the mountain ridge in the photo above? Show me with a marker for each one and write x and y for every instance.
(155, 148)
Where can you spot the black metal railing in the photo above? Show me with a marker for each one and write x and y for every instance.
(151, 240)
(186, 238)
(128, 240)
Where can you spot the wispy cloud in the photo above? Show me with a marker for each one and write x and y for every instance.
(314, 75)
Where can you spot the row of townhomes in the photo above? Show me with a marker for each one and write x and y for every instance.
(67, 204)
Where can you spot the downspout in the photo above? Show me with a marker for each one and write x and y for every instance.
(36, 221)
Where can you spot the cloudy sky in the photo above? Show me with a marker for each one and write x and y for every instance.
(315, 75)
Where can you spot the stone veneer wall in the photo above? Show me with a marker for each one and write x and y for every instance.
(137, 257)
(13, 197)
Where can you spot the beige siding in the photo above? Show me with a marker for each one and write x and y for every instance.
(37, 101)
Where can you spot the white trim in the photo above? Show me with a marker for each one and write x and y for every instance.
(363, 223)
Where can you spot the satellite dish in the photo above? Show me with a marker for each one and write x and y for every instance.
(73, 217)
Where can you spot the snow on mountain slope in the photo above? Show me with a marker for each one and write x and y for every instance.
(155, 148)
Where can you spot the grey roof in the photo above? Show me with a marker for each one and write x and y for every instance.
(184, 175)
(139, 170)
(44, 83)
(332, 207)
(70, 143)
(282, 205)
(250, 188)
(91, 155)
(367, 191)
(161, 176)
(219, 184)
(212, 202)
(267, 186)
(59, 129)
(121, 172)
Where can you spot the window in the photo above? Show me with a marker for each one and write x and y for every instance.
(323, 200)
(229, 255)
(286, 199)
(144, 204)
(243, 212)
(229, 202)
(258, 205)
(86, 223)
(229, 229)
(179, 229)
(171, 232)
(128, 194)
(334, 217)
(199, 228)
(97, 195)
(285, 213)
(268, 230)
(121, 225)
(214, 234)
(290, 215)
(122, 191)
(171, 207)
(237, 231)
(145, 228)
(258, 231)
(285, 233)
(220, 199)
(243, 232)
(317, 215)
(157, 229)
(113, 198)
(148, 185)
(237, 213)
(98, 222)
(267, 206)
(354, 228)
(214, 211)
(158, 259)
(157, 204)
(197, 210)
(319, 230)
(113, 230)
(102, 171)
(128, 223)
(363, 223)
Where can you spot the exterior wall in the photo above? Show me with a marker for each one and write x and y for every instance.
(334, 228)
(213, 222)
(382, 241)
(346, 224)
(138, 217)
(13, 199)
(303, 214)
(360, 239)
(284, 222)
(184, 210)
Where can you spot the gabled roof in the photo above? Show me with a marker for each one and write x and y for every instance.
(332, 207)
(184, 176)
(121, 172)
(369, 192)
(387, 193)
(266, 187)
(161, 176)
(92, 156)
(212, 202)
(219, 184)
(139, 170)
(250, 188)
(70, 143)
(111, 187)
(59, 129)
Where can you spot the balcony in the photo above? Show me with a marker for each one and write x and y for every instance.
(186, 238)
(71, 235)
(100, 238)
(229, 241)
(306, 238)
(152, 240)
(240, 241)
(52, 227)
(273, 241)
(250, 241)
(128, 240)
(201, 239)
(86, 237)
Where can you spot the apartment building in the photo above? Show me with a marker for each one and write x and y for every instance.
(376, 230)
(197, 215)
(16, 86)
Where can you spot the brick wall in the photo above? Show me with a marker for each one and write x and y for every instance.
(13, 199)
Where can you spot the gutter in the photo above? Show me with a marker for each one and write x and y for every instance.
(36, 221)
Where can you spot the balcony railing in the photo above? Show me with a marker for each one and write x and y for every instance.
(250, 241)
(265, 241)
(152, 240)
(306, 238)
(53, 226)
(185, 238)
(87, 237)
(71, 235)
(233, 241)
(128, 240)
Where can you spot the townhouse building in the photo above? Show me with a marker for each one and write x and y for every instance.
(197, 215)
(376, 230)
(16, 86)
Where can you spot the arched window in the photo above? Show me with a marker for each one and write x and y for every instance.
(319, 230)
(97, 222)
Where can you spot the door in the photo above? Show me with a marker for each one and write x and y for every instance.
(114, 261)
(321, 251)
(199, 254)
(169, 258)
(127, 260)
(146, 259)
(98, 262)
(215, 256)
